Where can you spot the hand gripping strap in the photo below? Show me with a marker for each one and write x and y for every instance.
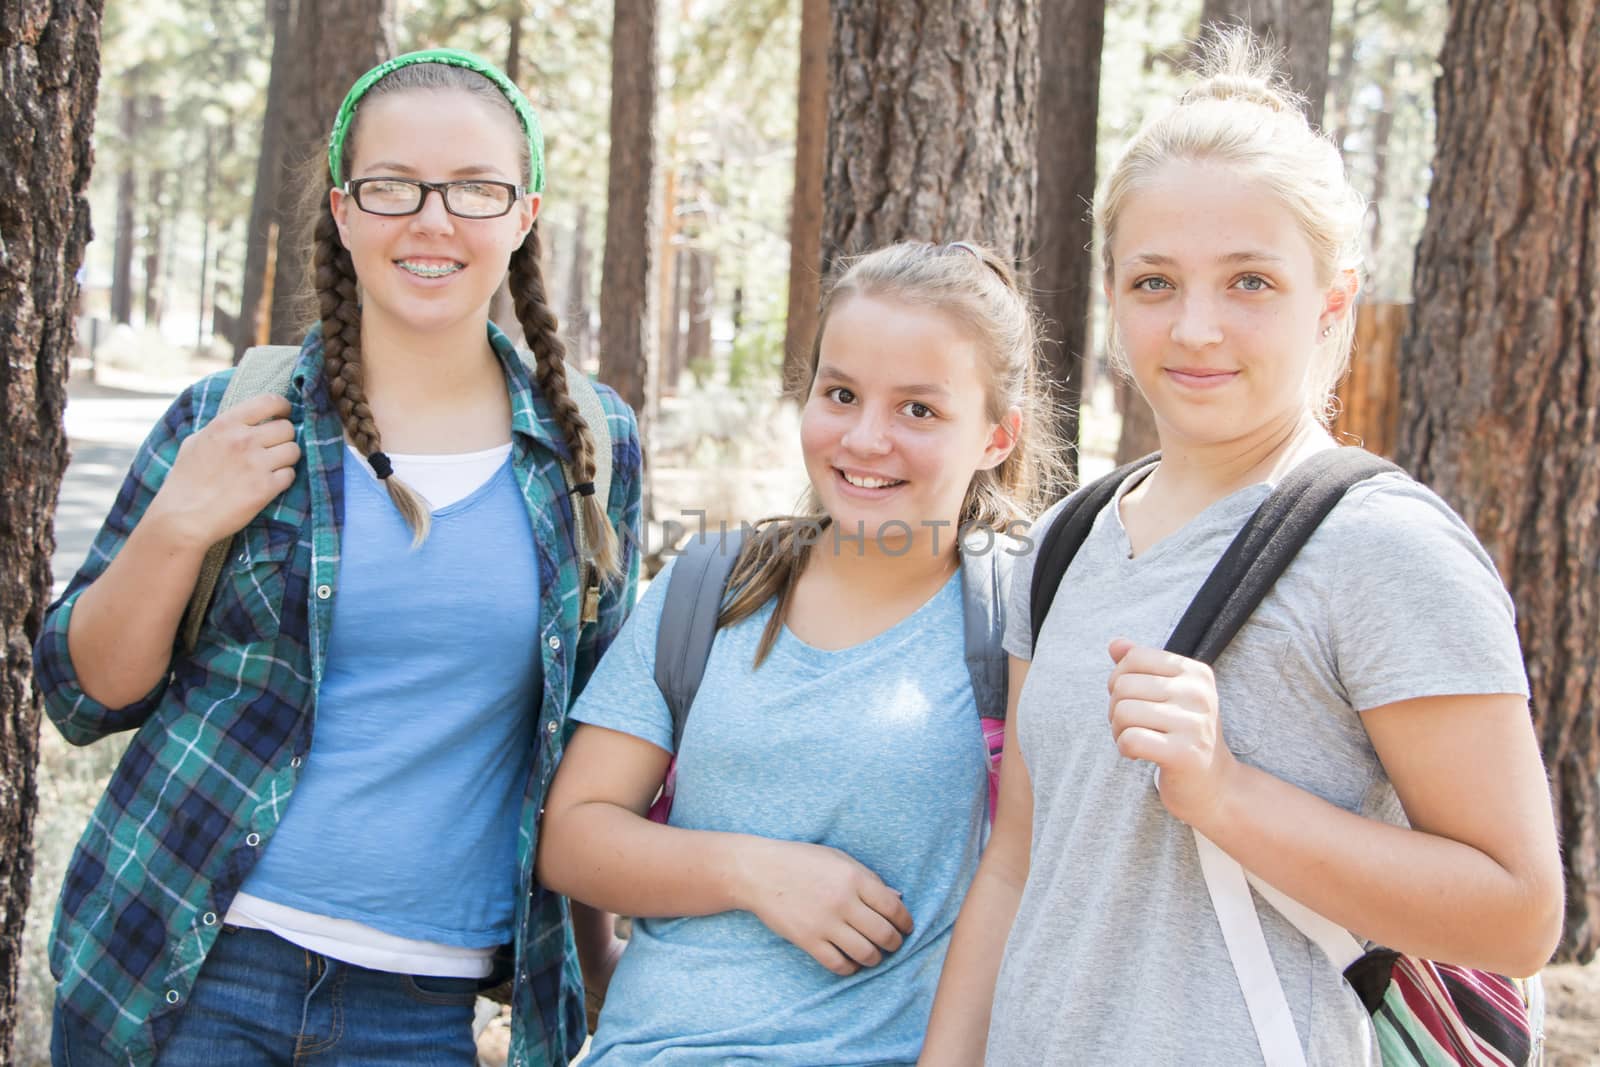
(263, 369)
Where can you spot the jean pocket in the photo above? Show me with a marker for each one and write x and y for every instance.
(437, 989)
(248, 605)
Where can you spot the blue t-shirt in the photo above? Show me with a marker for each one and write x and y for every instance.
(406, 814)
(874, 750)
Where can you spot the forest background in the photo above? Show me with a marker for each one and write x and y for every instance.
(718, 158)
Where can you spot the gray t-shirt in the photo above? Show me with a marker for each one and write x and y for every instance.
(1116, 955)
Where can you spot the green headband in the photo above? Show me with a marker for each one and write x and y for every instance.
(451, 57)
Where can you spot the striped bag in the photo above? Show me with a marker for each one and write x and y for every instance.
(1439, 1015)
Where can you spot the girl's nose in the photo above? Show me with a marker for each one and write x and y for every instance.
(433, 218)
(1198, 324)
(868, 434)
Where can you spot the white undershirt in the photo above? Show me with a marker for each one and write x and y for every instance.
(442, 479)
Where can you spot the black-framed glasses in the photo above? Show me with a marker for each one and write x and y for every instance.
(470, 198)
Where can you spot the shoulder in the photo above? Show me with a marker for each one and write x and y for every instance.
(1392, 519)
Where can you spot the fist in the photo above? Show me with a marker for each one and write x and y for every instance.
(227, 471)
(1163, 708)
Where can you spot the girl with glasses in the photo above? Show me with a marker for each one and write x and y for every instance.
(320, 841)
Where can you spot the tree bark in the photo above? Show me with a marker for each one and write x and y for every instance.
(1070, 36)
(1382, 128)
(50, 66)
(255, 301)
(702, 302)
(1500, 385)
(805, 211)
(575, 319)
(336, 41)
(1302, 28)
(931, 124)
(627, 320)
(155, 215)
(127, 198)
(208, 169)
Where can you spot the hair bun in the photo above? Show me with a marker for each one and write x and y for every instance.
(1237, 67)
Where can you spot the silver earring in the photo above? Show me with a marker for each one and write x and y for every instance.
(1327, 331)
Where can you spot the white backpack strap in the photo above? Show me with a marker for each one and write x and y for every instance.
(1252, 963)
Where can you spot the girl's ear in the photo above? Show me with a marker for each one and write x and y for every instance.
(1002, 439)
(1341, 295)
(339, 204)
(528, 207)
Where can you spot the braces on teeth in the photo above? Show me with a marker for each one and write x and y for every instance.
(430, 272)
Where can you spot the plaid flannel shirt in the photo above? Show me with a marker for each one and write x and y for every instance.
(221, 739)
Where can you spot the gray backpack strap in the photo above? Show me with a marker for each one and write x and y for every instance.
(985, 584)
(263, 369)
(689, 620)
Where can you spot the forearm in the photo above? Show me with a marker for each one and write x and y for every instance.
(959, 1028)
(1416, 892)
(123, 625)
(612, 859)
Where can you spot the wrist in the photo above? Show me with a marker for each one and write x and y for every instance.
(1227, 808)
(743, 857)
(166, 531)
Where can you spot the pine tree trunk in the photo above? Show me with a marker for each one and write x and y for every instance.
(1302, 28)
(127, 198)
(50, 66)
(1382, 128)
(702, 303)
(155, 214)
(1500, 385)
(931, 124)
(208, 169)
(672, 333)
(627, 319)
(575, 319)
(805, 211)
(254, 299)
(1070, 36)
(336, 41)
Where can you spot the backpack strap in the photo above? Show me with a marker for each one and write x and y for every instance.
(1236, 586)
(985, 581)
(1066, 535)
(263, 369)
(688, 624)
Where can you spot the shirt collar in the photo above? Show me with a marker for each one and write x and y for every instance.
(531, 416)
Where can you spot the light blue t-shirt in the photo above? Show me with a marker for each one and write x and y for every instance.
(874, 750)
(406, 814)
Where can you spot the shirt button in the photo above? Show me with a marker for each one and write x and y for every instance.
(295, 762)
(253, 840)
(241, 557)
(324, 592)
(173, 996)
(553, 727)
(555, 642)
(209, 918)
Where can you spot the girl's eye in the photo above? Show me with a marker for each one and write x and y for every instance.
(1152, 284)
(917, 410)
(1253, 283)
(840, 395)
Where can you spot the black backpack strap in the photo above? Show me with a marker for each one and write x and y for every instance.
(689, 620)
(1263, 550)
(1060, 543)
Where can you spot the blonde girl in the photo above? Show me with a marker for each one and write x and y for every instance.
(830, 786)
(1364, 744)
(319, 845)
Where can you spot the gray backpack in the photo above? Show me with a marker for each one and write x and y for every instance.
(268, 368)
(698, 586)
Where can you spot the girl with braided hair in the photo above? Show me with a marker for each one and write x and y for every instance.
(319, 846)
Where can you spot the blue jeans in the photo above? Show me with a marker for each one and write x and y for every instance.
(260, 1000)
